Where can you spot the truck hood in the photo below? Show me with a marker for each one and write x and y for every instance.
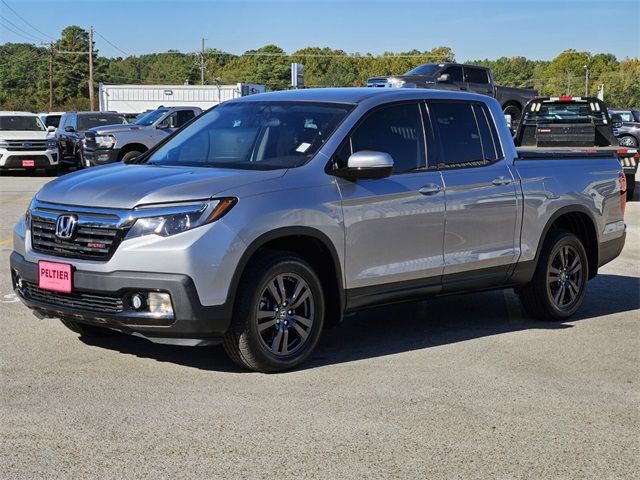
(129, 185)
(23, 135)
(106, 129)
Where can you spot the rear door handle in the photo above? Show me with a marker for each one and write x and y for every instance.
(430, 189)
(501, 181)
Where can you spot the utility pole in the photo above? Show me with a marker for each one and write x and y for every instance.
(91, 100)
(586, 81)
(51, 78)
(202, 63)
(50, 75)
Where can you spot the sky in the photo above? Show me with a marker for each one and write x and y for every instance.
(474, 29)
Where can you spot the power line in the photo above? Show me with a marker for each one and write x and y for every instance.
(16, 33)
(19, 28)
(25, 21)
(111, 43)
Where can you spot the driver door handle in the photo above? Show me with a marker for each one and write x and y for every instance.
(430, 189)
(501, 181)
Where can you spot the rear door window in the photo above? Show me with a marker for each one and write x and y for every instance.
(476, 75)
(465, 133)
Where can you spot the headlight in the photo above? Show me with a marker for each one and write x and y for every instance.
(51, 144)
(179, 218)
(396, 82)
(105, 141)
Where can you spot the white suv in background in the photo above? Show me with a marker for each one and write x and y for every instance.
(26, 144)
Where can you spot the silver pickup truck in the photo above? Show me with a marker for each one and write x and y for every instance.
(115, 143)
(267, 218)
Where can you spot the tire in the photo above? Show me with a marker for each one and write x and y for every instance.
(87, 330)
(555, 293)
(515, 113)
(628, 141)
(130, 156)
(266, 334)
(79, 160)
(631, 186)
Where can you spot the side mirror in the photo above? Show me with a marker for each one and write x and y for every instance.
(51, 129)
(367, 164)
(166, 123)
(616, 120)
(444, 78)
(69, 129)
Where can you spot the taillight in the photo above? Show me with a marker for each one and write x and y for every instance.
(623, 192)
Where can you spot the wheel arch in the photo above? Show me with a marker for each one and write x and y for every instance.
(578, 220)
(312, 245)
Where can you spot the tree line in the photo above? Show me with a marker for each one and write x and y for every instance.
(26, 70)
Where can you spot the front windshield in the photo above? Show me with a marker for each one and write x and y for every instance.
(85, 122)
(151, 117)
(253, 135)
(429, 69)
(21, 122)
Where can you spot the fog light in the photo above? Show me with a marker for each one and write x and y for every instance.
(159, 303)
(19, 283)
(137, 301)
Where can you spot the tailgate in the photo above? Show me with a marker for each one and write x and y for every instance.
(565, 135)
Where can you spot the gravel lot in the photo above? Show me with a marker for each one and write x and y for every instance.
(455, 387)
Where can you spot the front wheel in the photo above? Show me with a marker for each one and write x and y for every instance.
(127, 157)
(279, 314)
(560, 280)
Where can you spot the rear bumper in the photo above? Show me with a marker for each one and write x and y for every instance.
(101, 156)
(610, 249)
(191, 324)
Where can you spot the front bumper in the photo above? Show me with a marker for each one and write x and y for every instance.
(101, 156)
(13, 159)
(191, 324)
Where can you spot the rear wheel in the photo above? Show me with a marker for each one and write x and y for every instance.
(515, 113)
(279, 314)
(560, 280)
(87, 330)
(628, 141)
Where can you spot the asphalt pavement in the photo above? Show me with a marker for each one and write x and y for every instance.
(453, 387)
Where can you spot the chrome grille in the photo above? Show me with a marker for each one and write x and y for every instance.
(90, 241)
(75, 300)
(26, 145)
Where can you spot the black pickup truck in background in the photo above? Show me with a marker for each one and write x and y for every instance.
(574, 122)
(455, 76)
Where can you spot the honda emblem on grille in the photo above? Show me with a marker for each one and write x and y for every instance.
(66, 226)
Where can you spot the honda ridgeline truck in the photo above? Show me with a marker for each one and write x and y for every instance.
(268, 217)
(115, 143)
